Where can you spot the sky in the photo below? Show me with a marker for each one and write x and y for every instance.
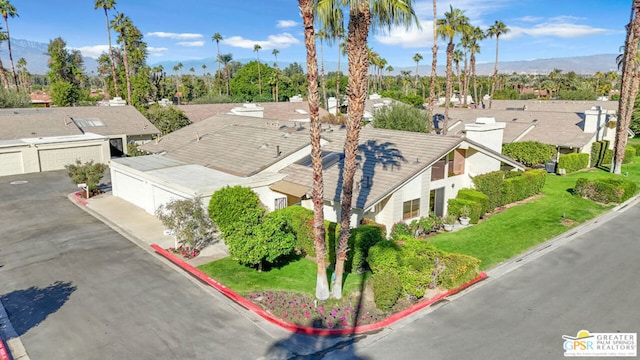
(182, 30)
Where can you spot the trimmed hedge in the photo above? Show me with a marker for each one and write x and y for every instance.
(475, 209)
(361, 240)
(300, 220)
(606, 190)
(459, 269)
(629, 154)
(573, 162)
(598, 151)
(476, 196)
(529, 153)
(491, 184)
(507, 187)
(386, 289)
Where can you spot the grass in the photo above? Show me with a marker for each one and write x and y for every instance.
(519, 228)
(297, 276)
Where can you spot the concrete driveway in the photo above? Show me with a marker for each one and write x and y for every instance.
(75, 289)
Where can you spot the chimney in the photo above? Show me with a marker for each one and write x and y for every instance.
(593, 119)
(487, 132)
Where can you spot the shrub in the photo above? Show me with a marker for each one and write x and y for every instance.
(491, 184)
(400, 229)
(87, 173)
(402, 117)
(598, 151)
(361, 240)
(524, 185)
(386, 289)
(529, 153)
(166, 119)
(605, 190)
(417, 262)
(384, 256)
(230, 205)
(629, 154)
(191, 226)
(573, 162)
(459, 269)
(300, 220)
(475, 196)
(456, 208)
(423, 226)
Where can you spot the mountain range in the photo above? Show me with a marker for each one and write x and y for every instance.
(35, 55)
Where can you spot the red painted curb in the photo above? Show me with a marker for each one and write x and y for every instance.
(4, 354)
(78, 196)
(306, 329)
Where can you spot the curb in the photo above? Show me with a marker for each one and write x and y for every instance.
(4, 354)
(77, 196)
(299, 329)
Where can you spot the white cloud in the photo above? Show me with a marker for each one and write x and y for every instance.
(177, 36)
(278, 41)
(93, 51)
(191, 43)
(156, 51)
(286, 24)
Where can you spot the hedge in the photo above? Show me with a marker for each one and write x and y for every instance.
(629, 154)
(475, 209)
(300, 220)
(529, 183)
(476, 196)
(606, 190)
(386, 289)
(529, 153)
(598, 151)
(491, 184)
(573, 162)
(459, 269)
(361, 240)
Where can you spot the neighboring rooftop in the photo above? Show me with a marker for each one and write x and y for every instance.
(285, 110)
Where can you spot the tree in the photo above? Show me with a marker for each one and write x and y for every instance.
(256, 49)
(362, 14)
(452, 24)
(416, 58)
(217, 38)
(107, 5)
(457, 57)
(121, 24)
(322, 284)
(322, 35)
(65, 73)
(498, 28)
(87, 173)
(191, 226)
(245, 83)
(275, 53)
(226, 59)
(331, 21)
(401, 117)
(229, 204)
(166, 119)
(3, 75)
(434, 61)
(629, 88)
(475, 35)
(8, 10)
(23, 75)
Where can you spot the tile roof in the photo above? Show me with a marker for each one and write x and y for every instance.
(45, 122)
(285, 110)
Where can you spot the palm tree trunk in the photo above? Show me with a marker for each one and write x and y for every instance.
(449, 88)
(472, 61)
(434, 60)
(359, 20)
(113, 65)
(13, 70)
(125, 58)
(324, 84)
(3, 76)
(495, 74)
(338, 81)
(322, 284)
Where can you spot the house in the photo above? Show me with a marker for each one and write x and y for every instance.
(400, 176)
(42, 139)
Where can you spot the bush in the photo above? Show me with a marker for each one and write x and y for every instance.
(191, 226)
(529, 153)
(459, 269)
(598, 151)
(361, 240)
(629, 154)
(399, 229)
(423, 226)
(300, 220)
(491, 184)
(475, 196)
(605, 190)
(417, 263)
(524, 185)
(87, 173)
(384, 256)
(232, 205)
(456, 205)
(166, 119)
(402, 117)
(386, 289)
(573, 162)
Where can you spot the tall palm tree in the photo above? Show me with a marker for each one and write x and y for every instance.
(107, 5)
(475, 35)
(449, 27)
(3, 75)
(217, 38)
(8, 10)
(121, 24)
(23, 74)
(416, 58)
(275, 53)
(362, 15)
(458, 55)
(331, 21)
(322, 35)
(322, 283)
(434, 60)
(256, 49)
(226, 59)
(629, 88)
(498, 28)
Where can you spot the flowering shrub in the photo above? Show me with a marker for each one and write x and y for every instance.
(185, 252)
(305, 310)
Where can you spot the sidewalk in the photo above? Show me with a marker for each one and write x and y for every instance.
(139, 226)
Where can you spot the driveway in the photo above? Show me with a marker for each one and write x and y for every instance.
(75, 289)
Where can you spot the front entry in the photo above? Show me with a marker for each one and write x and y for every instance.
(436, 201)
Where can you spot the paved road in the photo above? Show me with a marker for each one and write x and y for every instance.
(75, 289)
(588, 283)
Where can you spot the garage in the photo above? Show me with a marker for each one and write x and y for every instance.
(130, 188)
(56, 159)
(11, 163)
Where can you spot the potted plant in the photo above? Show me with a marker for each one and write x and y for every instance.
(464, 216)
(448, 221)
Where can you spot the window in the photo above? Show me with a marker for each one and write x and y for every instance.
(456, 162)
(411, 209)
(329, 158)
(280, 203)
(437, 170)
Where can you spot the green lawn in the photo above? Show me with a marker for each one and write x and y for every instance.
(521, 227)
(297, 276)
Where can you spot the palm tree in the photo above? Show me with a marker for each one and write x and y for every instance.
(362, 14)
(457, 57)
(322, 283)
(322, 35)
(498, 28)
(275, 54)
(8, 10)
(434, 60)
(3, 75)
(121, 24)
(23, 74)
(107, 5)
(475, 35)
(256, 49)
(331, 21)
(177, 69)
(452, 24)
(629, 87)
(226, 59)
(217, 38)
(416, 58)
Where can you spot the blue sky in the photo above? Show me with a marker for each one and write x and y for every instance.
(182, 30)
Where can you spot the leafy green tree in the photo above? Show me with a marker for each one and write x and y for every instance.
(87, 173)
(65, 73)
(401, 117)
(166, 119)
(245, 83)
(237, 204)
(190, 223)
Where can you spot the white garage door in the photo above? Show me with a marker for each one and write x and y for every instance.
(162, 196)
(56, 159)
(11, 163)
(130, 189)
